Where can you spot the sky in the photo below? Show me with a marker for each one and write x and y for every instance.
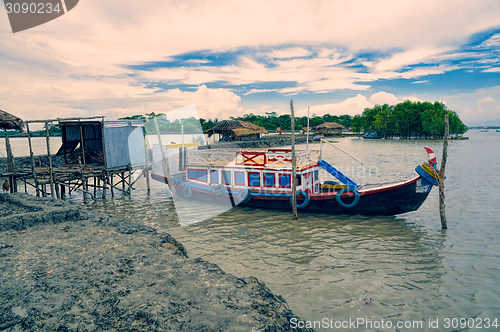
(230, 58)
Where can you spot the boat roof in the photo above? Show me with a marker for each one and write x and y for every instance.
(259, 158)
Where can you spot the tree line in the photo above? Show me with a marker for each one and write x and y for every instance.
(405, 120)
(408, 119)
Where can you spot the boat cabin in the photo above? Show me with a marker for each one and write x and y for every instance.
(254, 169)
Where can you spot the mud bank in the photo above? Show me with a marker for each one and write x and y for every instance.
(68, 268)
(24, 162)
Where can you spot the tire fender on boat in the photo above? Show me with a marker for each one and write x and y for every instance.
(187, 192)
(218, 189)
(346, 190)
(244, 196)
(304, 203)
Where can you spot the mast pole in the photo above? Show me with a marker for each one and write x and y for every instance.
(294, 165)
(307, 139)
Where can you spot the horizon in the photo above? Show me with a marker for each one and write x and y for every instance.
(231, 58)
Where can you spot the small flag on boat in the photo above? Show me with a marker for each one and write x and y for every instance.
(432, 156)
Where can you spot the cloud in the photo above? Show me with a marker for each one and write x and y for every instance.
(296, 52)
(382, 97)
(480, 107)
(80, 63)
(352, 106)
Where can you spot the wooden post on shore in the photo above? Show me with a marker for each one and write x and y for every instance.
(147, 161)
(111, 185)
(170, 183)
(441, 173)
(82, 146)
(32, 160)
(294, 165)
(10, 162)
(49, 156)
(105, 181)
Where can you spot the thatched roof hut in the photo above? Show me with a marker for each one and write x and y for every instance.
(237, 130)
(9, 121)
(329, 128)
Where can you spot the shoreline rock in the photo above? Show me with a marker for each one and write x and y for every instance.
(69, 268)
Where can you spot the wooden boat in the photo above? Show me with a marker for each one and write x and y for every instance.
(373, 135)
(261, 178)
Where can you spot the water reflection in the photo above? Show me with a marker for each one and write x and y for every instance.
(324, 264)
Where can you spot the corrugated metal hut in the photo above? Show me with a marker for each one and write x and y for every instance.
(236, 130)
(109, 143)
(329, 129)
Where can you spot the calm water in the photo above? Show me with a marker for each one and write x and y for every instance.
(326, 265)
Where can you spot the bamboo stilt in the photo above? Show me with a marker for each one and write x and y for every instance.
(442, 206)
(111, 185)
(147, 161)
(49, 156)
(58, 195)
(129, 179)
(32, 160)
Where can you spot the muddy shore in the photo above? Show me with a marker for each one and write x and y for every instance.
(65, 267)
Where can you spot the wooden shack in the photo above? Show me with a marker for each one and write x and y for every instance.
(123, 142)
(93, 149)
(329, 129)
(237, 130)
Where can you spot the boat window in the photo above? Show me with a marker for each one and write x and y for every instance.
(214, 176)
(226, 177)
(316, 175)
(202, 175)
(285, 181)
(299, 180)
(192, 173)
(198, 174)
(239, 178)
(254, 179)
(269, 179)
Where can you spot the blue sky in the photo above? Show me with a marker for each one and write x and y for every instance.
(231, 58)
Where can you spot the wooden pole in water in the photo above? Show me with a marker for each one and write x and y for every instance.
(441, 173)
(32, 160)
(294, 165)
(165, 161)
(49, 156)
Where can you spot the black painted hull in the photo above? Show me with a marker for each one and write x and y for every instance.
(384, 199)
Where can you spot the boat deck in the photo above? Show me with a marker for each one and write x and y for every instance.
(267, 158)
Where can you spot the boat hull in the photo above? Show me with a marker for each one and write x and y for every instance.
(384, 199)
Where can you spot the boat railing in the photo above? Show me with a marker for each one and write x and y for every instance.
(263, 158)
